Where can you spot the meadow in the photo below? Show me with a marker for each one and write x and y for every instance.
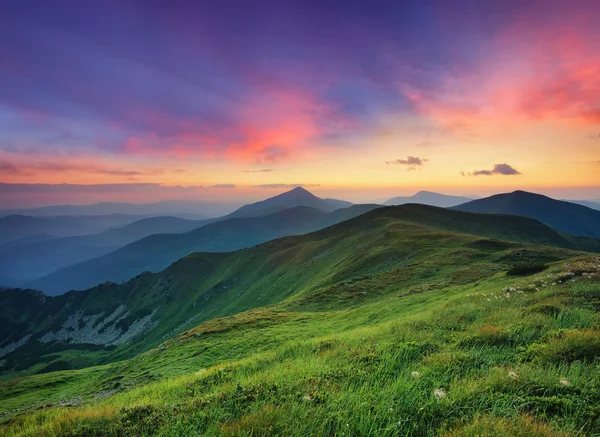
(503, 355)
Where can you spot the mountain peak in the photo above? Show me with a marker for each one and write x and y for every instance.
(300, 190)
(297, 192)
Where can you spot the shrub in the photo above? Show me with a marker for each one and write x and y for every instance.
(526, 269)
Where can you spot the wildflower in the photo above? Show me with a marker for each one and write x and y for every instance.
(439, 393)
(565, 382)
(415, 374)
(307, 398)
(200, 372)
(513, 375)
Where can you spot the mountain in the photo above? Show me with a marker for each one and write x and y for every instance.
(428, 198)
(588, 203)
(340, 331)
(179, 208)
(157, 251)
(24, 263)
(29, 258)
(564, 216)
(414, 238)
(295, 197)
(17, 227)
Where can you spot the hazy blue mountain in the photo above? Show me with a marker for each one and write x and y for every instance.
(157, 251)
(17, 227)
(37, 257)
(31, 259)
(564, 216)
(177, 208)
(296, 197)
(588, 203)
(429, 198)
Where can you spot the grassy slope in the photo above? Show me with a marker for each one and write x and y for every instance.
(156, 252)
(335, 355)
(299, 369)
(205, 286)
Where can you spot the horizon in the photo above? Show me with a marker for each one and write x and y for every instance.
(233, 203)
(214, 102)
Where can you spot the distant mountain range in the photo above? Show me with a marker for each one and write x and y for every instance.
(23, 260)
(588, 203)
(34, 256)
(178, 208)
(31, 255)
(564, 216)
(17, 227)
(429, 198)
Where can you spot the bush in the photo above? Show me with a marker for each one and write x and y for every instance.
(526, 269)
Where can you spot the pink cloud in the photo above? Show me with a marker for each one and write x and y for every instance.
(532, 71)
(277, 125)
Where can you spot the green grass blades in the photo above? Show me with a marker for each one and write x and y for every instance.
(495, 355)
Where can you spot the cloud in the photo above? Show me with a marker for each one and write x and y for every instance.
(94, 188)
(32, 169)
(8, 168)
(499, 169)
(425, 144)
(264, 170)
(539, 66)
(594, 136)
(411, 162)
(226, 186)
(284, 185)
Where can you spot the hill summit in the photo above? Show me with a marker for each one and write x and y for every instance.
(564, 216)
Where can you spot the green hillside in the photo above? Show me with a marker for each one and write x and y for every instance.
(322, 334)
(156, 252)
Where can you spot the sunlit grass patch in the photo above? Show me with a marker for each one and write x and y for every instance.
(567, 346)
(522, 425)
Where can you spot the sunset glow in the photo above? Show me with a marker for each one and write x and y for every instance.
(209, 100)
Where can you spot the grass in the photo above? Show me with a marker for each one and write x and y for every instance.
(335, 361)
(321, 271)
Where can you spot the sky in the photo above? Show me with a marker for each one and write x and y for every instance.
(143, 100)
